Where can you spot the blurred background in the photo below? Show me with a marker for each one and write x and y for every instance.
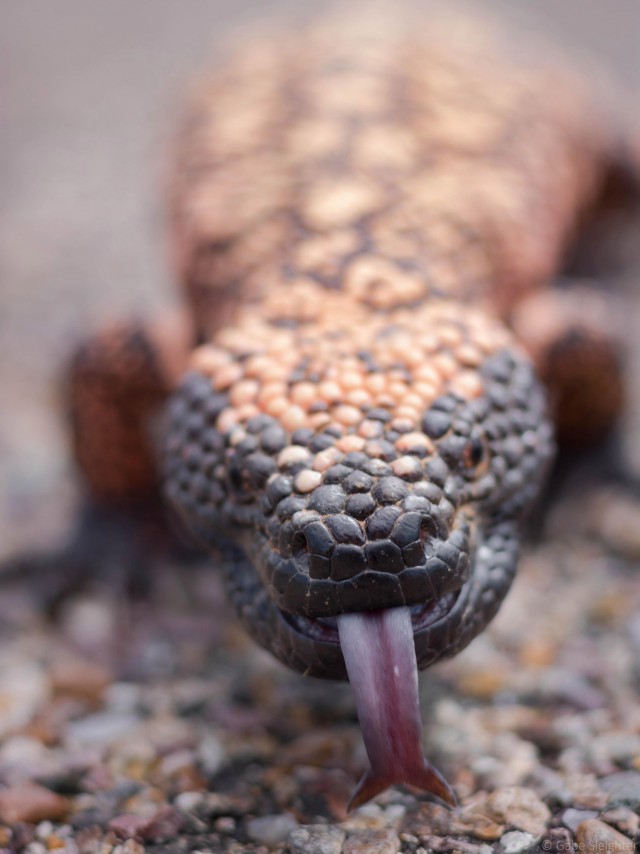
(547, 698)
(89, 98)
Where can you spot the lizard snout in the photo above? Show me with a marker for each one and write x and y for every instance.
(395, 556)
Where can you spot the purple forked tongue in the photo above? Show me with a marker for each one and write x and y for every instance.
(380, 656)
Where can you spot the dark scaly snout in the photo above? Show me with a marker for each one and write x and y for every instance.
(431, 521)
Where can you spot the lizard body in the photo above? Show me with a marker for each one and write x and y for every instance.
(356, 219)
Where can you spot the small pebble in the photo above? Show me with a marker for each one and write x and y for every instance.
(128, 826)
(75, 677)
(366, 841)
(188, 801)
(160, 827)
(572, 818)
(271, 830)
(623, 819)
(129, 846)
(517, 841)
(594, 837)
(30, 802)
(24, 688)
(623, 788)
(316, 839)
(20, 751)
(101, 728)
(521, 808)
(211, 753)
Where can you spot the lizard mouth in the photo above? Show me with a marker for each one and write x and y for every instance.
(325, 629)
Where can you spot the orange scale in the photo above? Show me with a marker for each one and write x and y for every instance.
(347, 415)
(407, 467)
(281, 345)
(247, 411)
(316, 365)
(446, 310)
(370, 429)
(318, 420)
(358, 397)
(256, 366)
(383, 350)
(468, 384)
(396, 375)
(244, 391)
(329, 391)
(446, 365)
(276, 368)
(227, 419)
(208, 359)
(237, 435)
(351, 379)
(408, 413)
(373, 449)
(427, 373)
(307, 480)
(231, 338)
(350, 443)
(414, 400)
(304, 394)
(383, 299)
(361, 338)
(350, 362)
(332, 371)
(400, 345)
(449, 337)
(293, 417)
(271, 389)
(276, 405)
(485, 340)
(376, 383)
(414, 356)
(226, 376)
(414, 440)
(474, 320)
(327, 458)
(469, 355)
(385, 402)
(292, 454)
(398, 390)
(429, 343)
(427, 391)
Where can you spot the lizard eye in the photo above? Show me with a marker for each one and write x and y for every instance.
(475, 453)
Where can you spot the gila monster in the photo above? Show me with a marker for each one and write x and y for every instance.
(367, 227)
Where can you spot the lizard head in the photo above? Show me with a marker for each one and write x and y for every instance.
(356, 479)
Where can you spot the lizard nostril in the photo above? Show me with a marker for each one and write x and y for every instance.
(300, 548)
(428, 533)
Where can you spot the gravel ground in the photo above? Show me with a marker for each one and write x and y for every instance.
(129, 727)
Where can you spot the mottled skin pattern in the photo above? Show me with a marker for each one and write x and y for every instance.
(367, 228)
(115, 381)
(355, 220)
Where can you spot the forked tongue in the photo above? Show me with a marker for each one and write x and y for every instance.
(380, 656)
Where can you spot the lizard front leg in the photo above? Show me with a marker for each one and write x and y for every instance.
(118, 380)
(574, 335)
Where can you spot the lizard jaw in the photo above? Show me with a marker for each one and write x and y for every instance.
(325, 629)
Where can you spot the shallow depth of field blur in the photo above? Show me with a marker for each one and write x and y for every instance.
(199, 727)
(88, 99)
